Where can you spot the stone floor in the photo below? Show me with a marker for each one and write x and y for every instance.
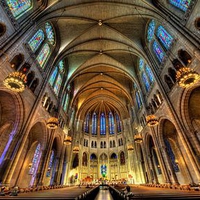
(139, 191)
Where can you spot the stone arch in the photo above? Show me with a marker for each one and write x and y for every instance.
(37, 135)
(172, 74)
(168, 81)
(11, 115)
(2, 29)
(17, 61)
(34, 84)
(175, 158)
(190, 116)
(184, 56)
(30, 78)
(25, 68)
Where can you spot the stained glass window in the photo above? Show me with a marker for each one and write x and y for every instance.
(35, 161)
(151, 30)
(36, 40)
(19, 7)
(119, 128)
(43, 55)
(111, 123)
(61, 66)
(165, 38)
(145, 81)
(65, 106)
(181, 4)
(156, 161)
(149, 74)
(103, 124)
(171, 155)
(50, 164)
(141, 64)
(94, 124)
(50, 33)
(158, 51)
(53, 76)
(103, 170)
(58, 84)
(87, 120)
(139, 104)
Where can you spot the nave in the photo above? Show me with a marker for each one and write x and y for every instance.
(76, 192)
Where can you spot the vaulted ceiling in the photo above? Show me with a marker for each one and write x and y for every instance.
(102, 41)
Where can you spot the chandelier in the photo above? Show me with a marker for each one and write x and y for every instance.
(16, 81)
(151, 120)
(76, 149)
(130, 147)
(52, 123)
(138, 138)
(68, 140)
(186, 77)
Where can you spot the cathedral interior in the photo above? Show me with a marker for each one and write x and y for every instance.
(96, 91)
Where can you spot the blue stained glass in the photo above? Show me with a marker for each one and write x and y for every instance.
(50, 33)
(50, 164)
(103, 124)
(61, 66)
(139, 104)
(87, 120)
(111, 123)
(94, 124)
(165, 38)
(158, 51)
(103, 170)
(181, 4)
(43, 55)
(66, 102)
(36, 40)
(151, 30)
(58, 84)
(53, 76)
(171, 155)
(145, 82)
(19, 7)
(141, 64)
(35, 161)
(149, 74)
(119, 128)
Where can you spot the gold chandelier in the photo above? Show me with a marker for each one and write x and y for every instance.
(186, 77)
(16, 81)
(130, 147)
(76, 149)
(138, 138)
(151, 120)
(52, 123)
(68, 140)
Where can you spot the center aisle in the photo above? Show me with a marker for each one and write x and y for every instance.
(104, 195)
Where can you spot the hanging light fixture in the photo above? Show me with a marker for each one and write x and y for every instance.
(138, 138)
(186, 77)
(52, 123)
(68, 140)
(76, 149)
(151, 120)
(16, 81)
(130, 147)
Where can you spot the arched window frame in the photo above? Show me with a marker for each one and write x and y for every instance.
(50, 165)
(94, 124)
(18, 7)
(45, 47)
(181, 4)
(138, 99)
(102, 124)
(86, 125)
(111, 123)
(35, 160)
(118, 122)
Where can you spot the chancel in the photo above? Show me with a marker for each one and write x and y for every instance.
(97, 96)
